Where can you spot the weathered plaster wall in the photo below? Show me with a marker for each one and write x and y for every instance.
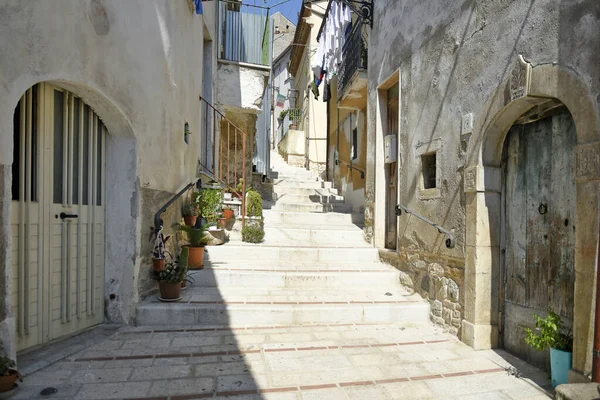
(139, 65)
(452, 57)
(315, 110)
(241, 87)
(283, 33)
(348, 181)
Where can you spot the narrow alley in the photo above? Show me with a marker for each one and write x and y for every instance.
(311, 313)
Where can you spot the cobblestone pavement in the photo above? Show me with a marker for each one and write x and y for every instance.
(343, 361)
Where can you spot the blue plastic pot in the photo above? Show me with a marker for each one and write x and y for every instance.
(560, 364)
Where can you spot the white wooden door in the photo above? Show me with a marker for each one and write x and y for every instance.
(59, 248)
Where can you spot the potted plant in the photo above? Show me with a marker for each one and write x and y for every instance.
(197, 241)
(170, 279)
(254, 207)
(222, 220)
(552, 334)
(159, 252)
(8, 374)
(253, 233)
(228, 212)
(190, 214)
(209, 201)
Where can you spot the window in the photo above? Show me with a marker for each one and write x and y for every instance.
(428, 170)
(354, 143)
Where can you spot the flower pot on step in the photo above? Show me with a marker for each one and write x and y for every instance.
(169, 291)
(184, 284)
(196, 260)
(228, 214)
(560, 364)
(222, 223)
(7, 382)
(190, 220)
(158, 264)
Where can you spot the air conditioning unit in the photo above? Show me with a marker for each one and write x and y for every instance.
(390, 150)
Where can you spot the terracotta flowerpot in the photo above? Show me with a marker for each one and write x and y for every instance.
(183, 284)
(190, 220)
(7, 382)
(228, 214)
(196, 259)
(170, 291)
(222, 223)
(159, 264)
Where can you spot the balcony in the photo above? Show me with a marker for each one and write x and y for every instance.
(244, 34)
(352, 77)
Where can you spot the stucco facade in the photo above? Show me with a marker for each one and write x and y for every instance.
(458, 69)
(141, 67)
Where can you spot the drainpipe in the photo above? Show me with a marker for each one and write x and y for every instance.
(596, 353)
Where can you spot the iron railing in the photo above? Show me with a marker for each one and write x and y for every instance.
(227, 164)
(450, 242)
(351, 167)
(354, 58)
(244, 33)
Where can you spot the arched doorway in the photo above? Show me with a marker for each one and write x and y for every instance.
(538, 224)
(527, 88)
(57, 219)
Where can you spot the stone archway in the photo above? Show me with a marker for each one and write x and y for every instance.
(121, 222)
(526, 88)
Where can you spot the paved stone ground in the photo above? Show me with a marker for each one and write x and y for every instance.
(345, 361)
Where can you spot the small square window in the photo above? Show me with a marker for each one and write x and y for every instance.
(428, 170)
(355, 143)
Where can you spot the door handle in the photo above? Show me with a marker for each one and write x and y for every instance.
(65, 215)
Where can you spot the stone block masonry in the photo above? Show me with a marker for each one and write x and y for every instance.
(437, 279)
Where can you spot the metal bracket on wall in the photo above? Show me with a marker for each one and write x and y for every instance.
(362, 8)
(450, 241)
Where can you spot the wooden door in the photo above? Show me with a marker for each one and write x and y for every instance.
(58, 219)
(540, 206)
(391, 236)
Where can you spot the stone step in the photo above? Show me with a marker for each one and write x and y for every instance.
(224, 276)
(292, 190)
(231, 252)
(313, 207)
(315, 198)
(280, 235)
(287, 183)
(309, 218)
(200, 309)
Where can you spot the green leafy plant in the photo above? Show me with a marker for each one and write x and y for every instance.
(6, 366)
(240, 186)
(253, 233)
(190, 209)
(196, 236)
(255, 206)
(552, 333)
(283, 114)
(174, 272)
(209, 201)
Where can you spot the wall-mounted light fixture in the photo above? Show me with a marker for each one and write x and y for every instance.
(186, 133)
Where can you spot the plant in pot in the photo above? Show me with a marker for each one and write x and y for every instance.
(210, 204)
(8, 375)
(551, 333)
(190, 214)
(254, 207)
(197, 241)
(228, 212)
(240, 188)
(159, 252)
(253, 233)
(170, 279)
(222, 220)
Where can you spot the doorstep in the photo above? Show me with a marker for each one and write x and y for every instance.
(578, 391)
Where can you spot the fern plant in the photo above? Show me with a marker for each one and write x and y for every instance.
(552, 334)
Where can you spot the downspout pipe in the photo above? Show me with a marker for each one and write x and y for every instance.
(158, 222)
(596, 352)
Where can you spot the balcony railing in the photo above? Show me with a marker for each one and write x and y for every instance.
(293, 116)
(244, 33)
(354, 58)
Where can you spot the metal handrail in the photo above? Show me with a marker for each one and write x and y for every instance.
(362, 171)
(450, 241)
(221, 168)
(158, 222)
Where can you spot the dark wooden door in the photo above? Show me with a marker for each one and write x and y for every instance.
(539, 197)
(391, 234)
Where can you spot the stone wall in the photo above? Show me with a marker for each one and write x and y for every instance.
(437, 279)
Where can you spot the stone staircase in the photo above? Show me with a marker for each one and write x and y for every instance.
(313, 267)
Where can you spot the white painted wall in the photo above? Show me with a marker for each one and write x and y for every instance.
(139, 64)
